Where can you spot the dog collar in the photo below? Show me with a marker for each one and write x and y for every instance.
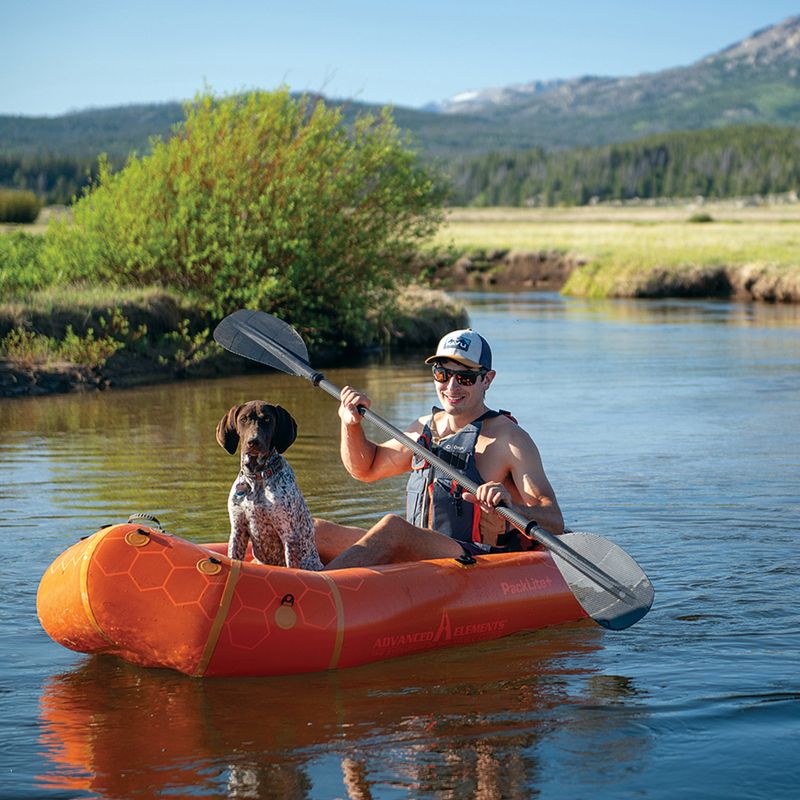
(275, 463)
(272, 467)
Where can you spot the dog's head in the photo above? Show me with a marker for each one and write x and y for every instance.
(260, 427)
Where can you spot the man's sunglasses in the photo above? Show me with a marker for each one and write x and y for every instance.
(464, 377)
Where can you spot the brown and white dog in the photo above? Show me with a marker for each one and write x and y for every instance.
(265, 504)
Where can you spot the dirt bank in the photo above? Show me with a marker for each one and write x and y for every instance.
(751, 282)
(122, 370)
(551, 270)
(500, 269)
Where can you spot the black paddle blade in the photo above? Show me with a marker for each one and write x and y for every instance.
(263, 338)
(604, 607)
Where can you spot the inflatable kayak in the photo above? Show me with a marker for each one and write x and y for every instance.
(161, 601)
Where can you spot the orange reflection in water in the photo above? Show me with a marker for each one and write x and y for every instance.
(456, 715)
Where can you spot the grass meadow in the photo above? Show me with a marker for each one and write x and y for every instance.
(624, 246)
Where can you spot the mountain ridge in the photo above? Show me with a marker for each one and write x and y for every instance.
(762, 48)
(753, 81)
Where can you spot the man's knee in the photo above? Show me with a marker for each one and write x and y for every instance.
(388, 522)
(385, 538)
(392, 531)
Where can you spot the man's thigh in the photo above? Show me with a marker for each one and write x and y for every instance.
(410, 543)
(333, 539)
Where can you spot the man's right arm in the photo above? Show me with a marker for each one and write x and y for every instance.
(362, 458)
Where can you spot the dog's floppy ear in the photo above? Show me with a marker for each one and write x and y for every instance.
(285, 429)
(227, 435)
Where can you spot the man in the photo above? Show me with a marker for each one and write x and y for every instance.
(487, 445)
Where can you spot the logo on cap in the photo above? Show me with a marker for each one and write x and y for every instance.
(459, 343)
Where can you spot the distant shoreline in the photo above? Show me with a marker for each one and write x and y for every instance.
(728, 250)
(552, 271)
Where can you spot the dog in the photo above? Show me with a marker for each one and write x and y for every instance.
(265, 504)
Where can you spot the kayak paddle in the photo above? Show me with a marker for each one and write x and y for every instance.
(609, 585)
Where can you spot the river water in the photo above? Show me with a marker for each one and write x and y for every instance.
(672, 428)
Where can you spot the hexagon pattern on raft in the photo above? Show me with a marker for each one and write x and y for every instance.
(257, 597)
(161, 567)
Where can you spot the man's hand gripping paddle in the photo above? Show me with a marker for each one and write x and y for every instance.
(609, 585)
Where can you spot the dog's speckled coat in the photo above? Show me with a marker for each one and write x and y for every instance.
(265, 504)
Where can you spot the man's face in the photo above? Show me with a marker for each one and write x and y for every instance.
(460, 388)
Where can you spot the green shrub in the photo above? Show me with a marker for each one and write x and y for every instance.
(21, 267)
(701, 217)
(19, 206)
(261, 201)
(30, 348)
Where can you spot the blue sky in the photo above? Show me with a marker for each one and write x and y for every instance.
(59, 56)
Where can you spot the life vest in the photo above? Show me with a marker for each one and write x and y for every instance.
(434, 500)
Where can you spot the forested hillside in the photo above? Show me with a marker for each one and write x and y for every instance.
(720, 163)
(727, 162)
(55, 179)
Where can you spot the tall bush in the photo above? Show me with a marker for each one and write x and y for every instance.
(19, 206)
(261, 201)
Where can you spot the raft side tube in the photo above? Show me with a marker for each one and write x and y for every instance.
(161, 601)
(62, 602)
(286, 621)
(157, 597)
(439, 603)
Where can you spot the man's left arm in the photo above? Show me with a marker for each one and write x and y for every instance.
(536, 497)
(532, 483)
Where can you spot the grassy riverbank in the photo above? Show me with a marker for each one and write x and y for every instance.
(61, 338)
(647, 251)
(74, 338)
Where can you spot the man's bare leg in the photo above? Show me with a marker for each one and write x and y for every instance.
(333, 539)
(393, 540)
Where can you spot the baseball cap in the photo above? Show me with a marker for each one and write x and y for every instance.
(467, 347)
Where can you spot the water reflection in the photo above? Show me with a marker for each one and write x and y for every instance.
(652, 312)
(153, 449)
(121, 732)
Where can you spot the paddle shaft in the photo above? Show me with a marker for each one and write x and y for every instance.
(528, 527)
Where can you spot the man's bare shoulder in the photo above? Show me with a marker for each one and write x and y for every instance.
(418, 425)
(507, 432)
